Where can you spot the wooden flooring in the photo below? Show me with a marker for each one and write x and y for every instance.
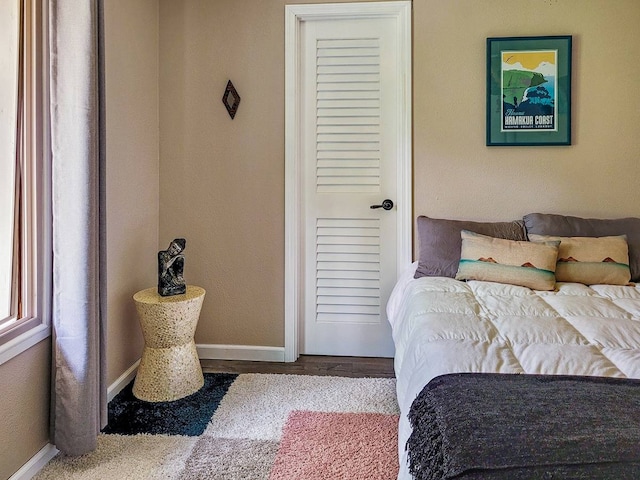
(308, 365)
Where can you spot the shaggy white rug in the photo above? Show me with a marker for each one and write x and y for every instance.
(242, 438)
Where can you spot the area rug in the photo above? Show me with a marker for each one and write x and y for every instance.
(187, 416)
(349, 446)
(245, 427)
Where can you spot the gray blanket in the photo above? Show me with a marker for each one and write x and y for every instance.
(513, 427)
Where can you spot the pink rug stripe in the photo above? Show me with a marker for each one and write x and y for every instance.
(349, 446)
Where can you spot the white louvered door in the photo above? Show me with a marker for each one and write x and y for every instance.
(351, 94)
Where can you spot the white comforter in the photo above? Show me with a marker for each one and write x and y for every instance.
(441, 325)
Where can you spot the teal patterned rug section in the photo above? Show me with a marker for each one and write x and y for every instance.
(188, 416)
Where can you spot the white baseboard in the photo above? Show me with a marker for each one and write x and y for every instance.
(122, 381)
(35, 464)
(240, 352)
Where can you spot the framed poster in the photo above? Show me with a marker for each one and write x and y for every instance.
(529, 91)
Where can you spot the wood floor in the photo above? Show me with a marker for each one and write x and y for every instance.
(308, 365)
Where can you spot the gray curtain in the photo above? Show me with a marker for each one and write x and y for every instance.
(77, 147)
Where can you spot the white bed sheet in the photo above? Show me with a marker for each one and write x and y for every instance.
(441, 325)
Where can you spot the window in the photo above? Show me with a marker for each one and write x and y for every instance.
(8, 110)
(24, 178)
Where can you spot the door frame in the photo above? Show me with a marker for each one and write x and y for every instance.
(295, 15)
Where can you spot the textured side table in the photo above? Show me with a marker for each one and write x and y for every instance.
(169, 368)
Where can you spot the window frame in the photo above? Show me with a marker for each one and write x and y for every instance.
(35, 253)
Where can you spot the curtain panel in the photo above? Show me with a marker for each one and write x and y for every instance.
(77, 149)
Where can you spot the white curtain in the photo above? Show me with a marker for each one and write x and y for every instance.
(77, 147)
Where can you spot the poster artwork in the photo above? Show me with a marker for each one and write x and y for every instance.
(529, 90)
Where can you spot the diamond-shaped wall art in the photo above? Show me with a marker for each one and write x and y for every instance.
(231, 99)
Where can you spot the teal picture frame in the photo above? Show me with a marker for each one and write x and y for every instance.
(529, 91)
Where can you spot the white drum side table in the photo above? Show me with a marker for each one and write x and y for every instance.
(170, 368)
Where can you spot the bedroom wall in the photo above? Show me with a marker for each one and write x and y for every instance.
(24, 423)
(131, 83)
(457, 176)
(222, 181)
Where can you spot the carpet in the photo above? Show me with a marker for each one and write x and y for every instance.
(186, 416)
(245, 427)
(349, 446)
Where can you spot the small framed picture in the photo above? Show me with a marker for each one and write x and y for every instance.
(529, 91)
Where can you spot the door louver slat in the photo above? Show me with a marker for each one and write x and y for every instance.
(348, 115)
(347, 270)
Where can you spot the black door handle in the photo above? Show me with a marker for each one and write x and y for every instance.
(386, 204)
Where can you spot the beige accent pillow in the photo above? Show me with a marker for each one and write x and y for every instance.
(514, 262)
(567, 226)
(591, 260)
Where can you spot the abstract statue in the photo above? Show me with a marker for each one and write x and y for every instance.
(170, 268)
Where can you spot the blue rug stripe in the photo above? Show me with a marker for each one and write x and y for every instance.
(187, 416)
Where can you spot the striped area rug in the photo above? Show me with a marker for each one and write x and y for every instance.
(248, 426)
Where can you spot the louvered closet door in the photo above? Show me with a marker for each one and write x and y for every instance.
(350, 93)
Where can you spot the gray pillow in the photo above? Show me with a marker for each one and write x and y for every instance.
(440, 242)
(566, 226)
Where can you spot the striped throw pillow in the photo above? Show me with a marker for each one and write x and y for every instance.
(514, 262)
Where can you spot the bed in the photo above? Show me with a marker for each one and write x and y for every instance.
(480, 327)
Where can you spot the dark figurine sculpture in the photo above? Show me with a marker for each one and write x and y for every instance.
(170, 268)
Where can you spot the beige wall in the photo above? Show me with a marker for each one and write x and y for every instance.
(222, 181)
(457, 176)
(24, 403)
(131, 64)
